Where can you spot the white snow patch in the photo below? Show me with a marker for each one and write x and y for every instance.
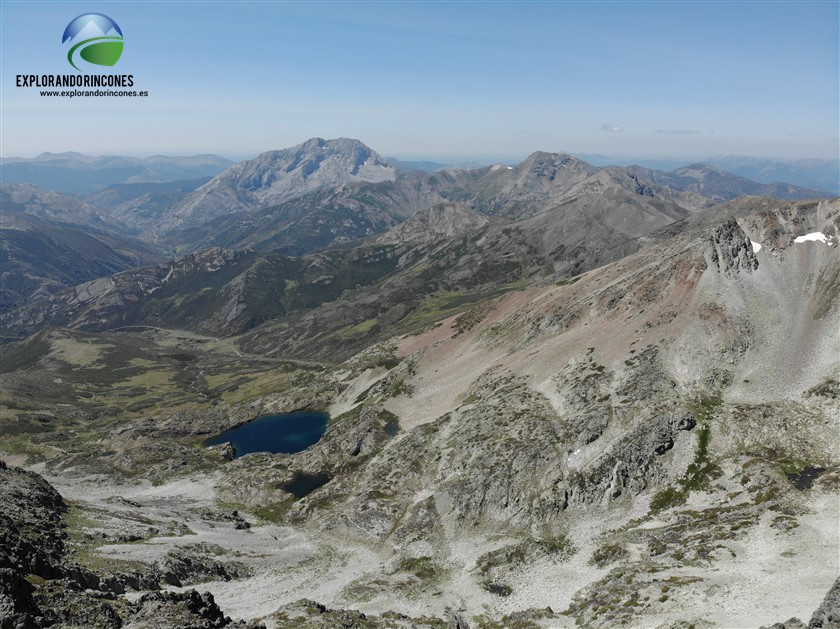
(814, 236)
(510, 167)
(756, 246)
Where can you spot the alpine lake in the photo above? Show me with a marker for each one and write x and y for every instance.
(287, 433)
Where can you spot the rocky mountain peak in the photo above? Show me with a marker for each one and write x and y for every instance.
(729, 249)
(277, 176)
(344, 159)
(550, 170)
(543, 159)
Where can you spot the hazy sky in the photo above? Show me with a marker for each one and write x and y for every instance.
(439, 79)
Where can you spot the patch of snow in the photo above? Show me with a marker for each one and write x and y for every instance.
(814, 236)
(756, 246)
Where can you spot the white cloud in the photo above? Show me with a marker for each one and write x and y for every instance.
(611, 128)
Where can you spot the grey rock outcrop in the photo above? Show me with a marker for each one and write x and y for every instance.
(17, 608)
(180, 610)
(196, 563)
(307, 614)
(827, 615)
(456, 621)
(793, 623)
(729, 250)
(31, 537)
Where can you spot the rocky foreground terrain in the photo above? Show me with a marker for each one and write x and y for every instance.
(649, 443)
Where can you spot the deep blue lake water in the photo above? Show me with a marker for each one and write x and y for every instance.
(288, 432)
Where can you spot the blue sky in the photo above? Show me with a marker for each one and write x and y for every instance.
(439, 80)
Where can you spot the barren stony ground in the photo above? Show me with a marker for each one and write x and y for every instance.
(739, 588)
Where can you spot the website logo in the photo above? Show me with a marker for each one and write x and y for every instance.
(95, 39)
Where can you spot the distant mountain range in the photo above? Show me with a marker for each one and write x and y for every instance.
(818, 174)
(323, 194)
(410, 166)
(328, 192)
(77, 173)
(50, 241)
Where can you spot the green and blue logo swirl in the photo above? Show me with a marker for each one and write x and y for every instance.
(95, 39)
